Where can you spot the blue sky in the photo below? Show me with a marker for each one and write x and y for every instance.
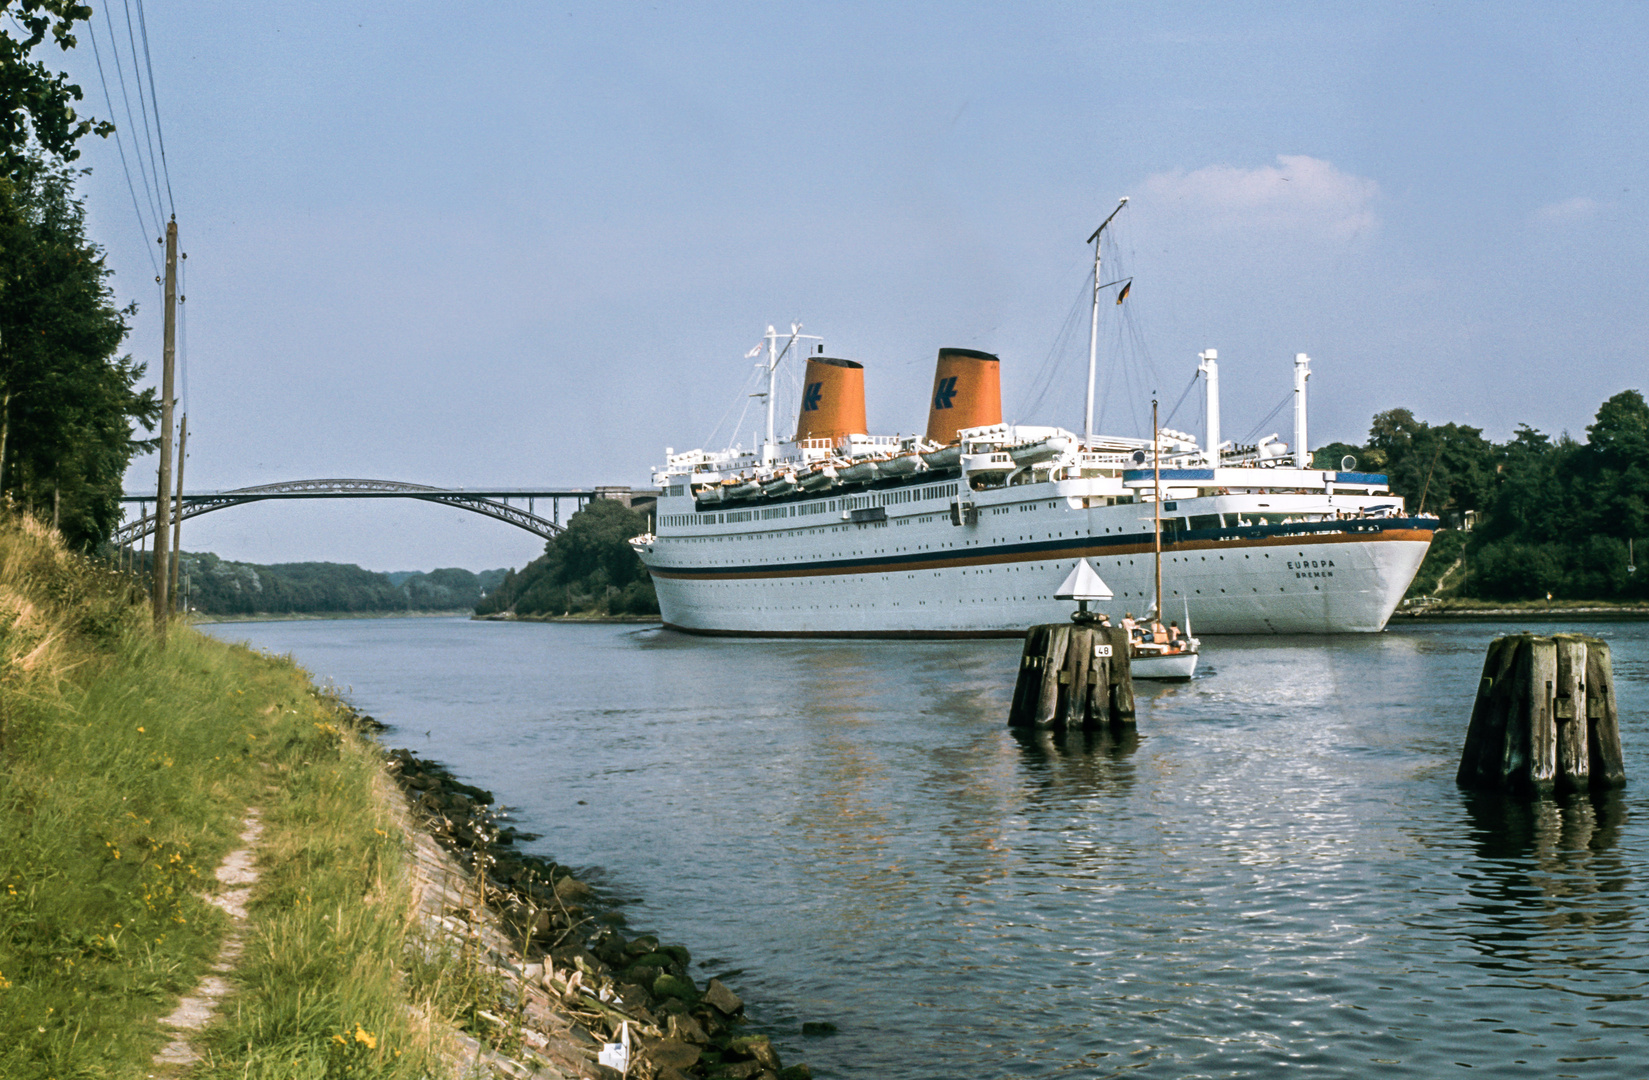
(533, 247)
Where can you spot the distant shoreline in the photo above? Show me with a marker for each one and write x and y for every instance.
(1524, 611)
(505, 616)
(200, 618)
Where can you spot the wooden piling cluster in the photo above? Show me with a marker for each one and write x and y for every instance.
(1073, 675)
(1545, 717)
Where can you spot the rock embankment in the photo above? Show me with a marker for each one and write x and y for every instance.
(565, 979)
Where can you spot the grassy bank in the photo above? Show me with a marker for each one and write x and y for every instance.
(126, 768)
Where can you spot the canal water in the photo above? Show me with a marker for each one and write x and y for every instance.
(1277, 873)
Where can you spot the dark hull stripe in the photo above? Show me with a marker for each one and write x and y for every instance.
(1075, 547)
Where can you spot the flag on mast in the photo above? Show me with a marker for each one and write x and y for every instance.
(1123, 295)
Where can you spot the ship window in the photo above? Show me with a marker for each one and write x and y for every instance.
(1205, 521)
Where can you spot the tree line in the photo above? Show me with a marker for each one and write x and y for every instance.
(588, 569)
(214, 586)
(1532, 516)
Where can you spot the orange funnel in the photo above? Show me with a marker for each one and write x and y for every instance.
(967, 393)
(833, 399)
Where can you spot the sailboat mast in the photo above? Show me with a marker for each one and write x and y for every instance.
(1093, 333)
(1156, 504)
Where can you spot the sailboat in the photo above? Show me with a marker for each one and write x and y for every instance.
(1157, 652)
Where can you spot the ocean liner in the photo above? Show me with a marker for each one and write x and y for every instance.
(968, 529)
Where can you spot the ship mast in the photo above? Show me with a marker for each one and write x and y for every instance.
(772, 363)
(1156, 504)
(1093, 332)
(774, 355)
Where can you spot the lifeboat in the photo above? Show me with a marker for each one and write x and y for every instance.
(1041, 450)
(859, 472)
(710, 494)
(745, 490)
(945, 458)
(818, 479)
(903, 465)
(783, 484)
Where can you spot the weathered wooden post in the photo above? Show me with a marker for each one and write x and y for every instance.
(1544, 718)
(1074, 674)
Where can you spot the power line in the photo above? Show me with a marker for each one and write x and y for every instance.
(121, 146)
(137, 148)
(143, 24)
(143, 108)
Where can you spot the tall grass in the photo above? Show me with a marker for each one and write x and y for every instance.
(126, 768)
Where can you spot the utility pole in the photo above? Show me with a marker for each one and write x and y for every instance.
(162, 566)
(177, 507)
(5, 429)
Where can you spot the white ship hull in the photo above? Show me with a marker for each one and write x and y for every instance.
(802, 571)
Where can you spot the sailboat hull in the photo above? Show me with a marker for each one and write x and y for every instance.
(1179, 667)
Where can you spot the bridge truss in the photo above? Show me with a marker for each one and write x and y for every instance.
(493, 503)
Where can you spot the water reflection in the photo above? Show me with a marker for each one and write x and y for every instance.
(1549, 883)
(1091, 752)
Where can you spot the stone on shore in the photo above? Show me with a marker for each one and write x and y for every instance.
(675, 986)
(723, 999)
(759, 1047)
(670, 1052)
(687, 1030)
(739, 1070)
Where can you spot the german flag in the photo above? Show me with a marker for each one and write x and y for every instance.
(1123, 295)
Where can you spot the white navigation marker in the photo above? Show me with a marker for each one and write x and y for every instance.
(1083, 584)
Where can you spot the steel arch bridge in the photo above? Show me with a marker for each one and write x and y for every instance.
(490, 502)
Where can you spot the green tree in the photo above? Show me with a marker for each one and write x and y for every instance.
(589, 567)
(1614, 467)
(1445, 468)
(1554, 515)
(36, 105)
(68, 401)
(1330, 456)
